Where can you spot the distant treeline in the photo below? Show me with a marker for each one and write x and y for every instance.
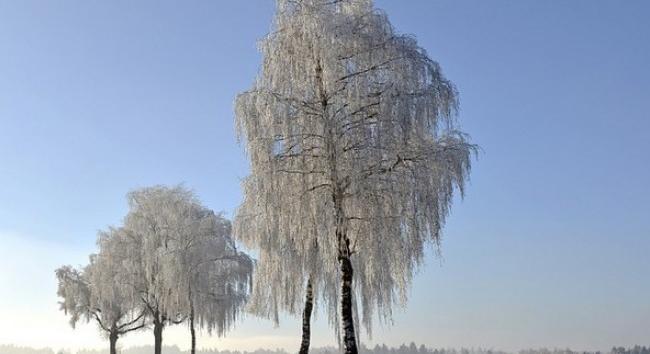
(379, 349)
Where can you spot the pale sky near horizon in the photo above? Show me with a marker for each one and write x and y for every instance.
(550, 247)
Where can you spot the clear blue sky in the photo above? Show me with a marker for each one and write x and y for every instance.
(551, 246)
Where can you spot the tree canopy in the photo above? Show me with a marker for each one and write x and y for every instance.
(355, 156)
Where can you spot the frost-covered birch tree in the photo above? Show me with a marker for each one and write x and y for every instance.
(292, 279)
(95, 293)
(355, 156)
(184, 263)
(215, 275)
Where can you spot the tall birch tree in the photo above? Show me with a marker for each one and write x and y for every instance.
(355, 156)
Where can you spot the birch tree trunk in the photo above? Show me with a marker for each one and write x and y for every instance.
(192, 329)
(157, 335)
(306, 319)
(112, 338)
(349, 336)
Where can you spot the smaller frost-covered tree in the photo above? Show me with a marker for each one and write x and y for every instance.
(184, 263)
(214, 273)
(292, 275)
(95, 292)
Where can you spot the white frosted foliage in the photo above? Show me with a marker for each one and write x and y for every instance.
(185, 259)
(172, 261)
(95, 293)
(355, 153)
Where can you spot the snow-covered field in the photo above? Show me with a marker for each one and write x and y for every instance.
(411, 348)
